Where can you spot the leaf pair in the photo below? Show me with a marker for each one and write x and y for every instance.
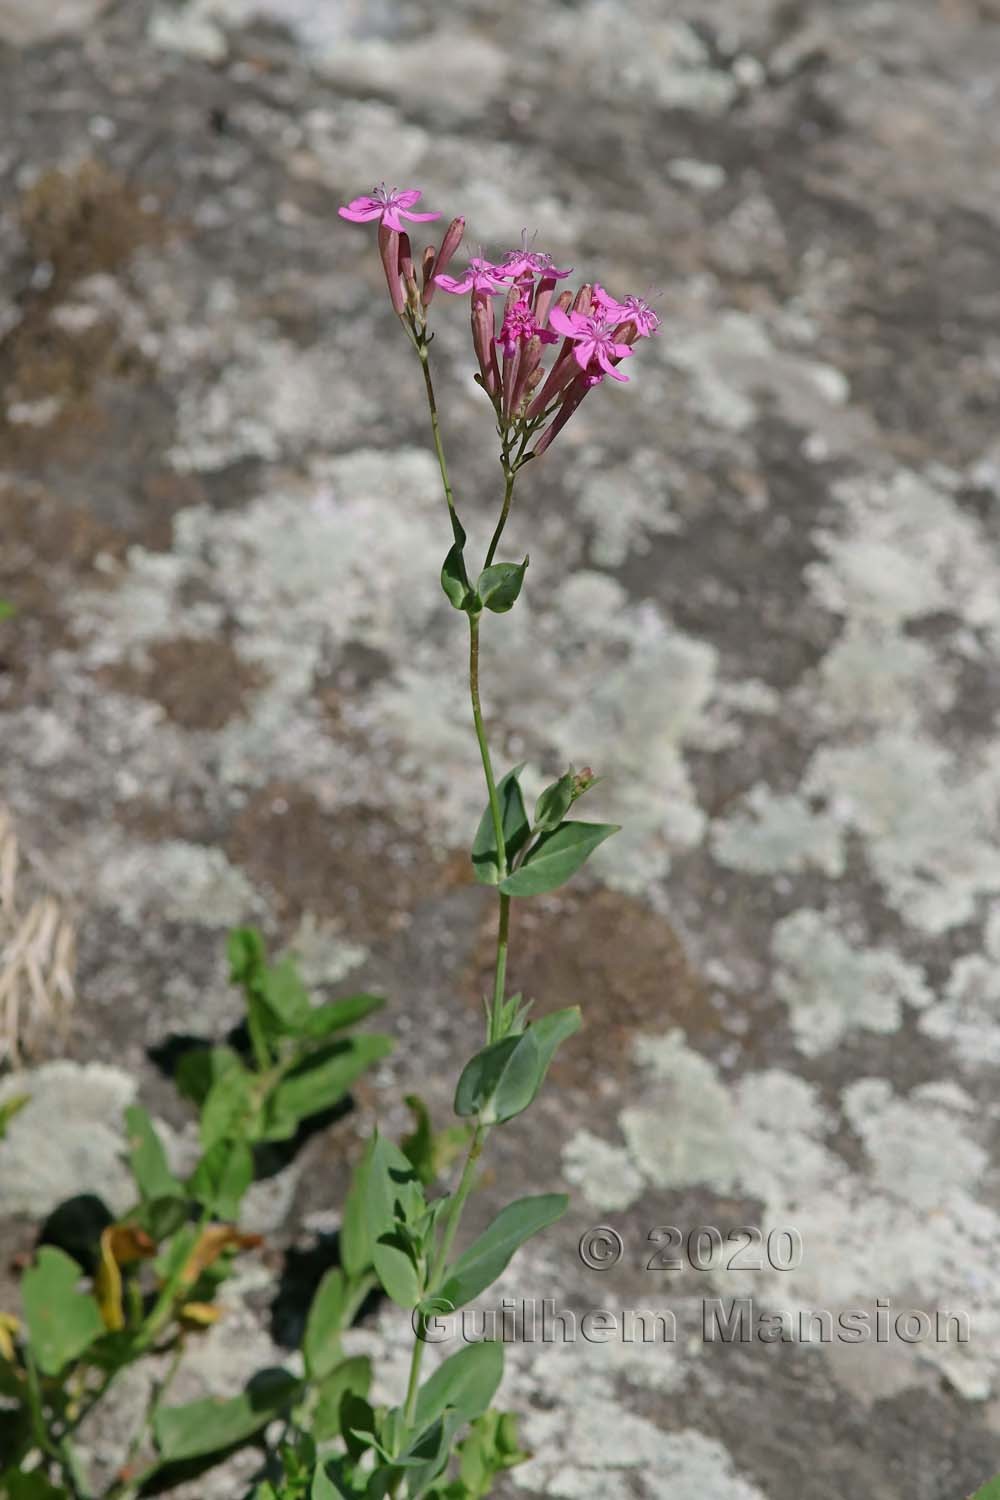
(496, 588)
(502, 1080)
(557, 854)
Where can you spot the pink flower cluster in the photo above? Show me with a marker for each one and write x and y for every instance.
(596, 331)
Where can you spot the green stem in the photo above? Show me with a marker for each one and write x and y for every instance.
(451, 1224)
(508, 492)
(456, 524)
(500, 970)
(484, 749)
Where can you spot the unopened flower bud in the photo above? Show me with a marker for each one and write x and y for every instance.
(582, 782)
(583, 302)
(439, 263)
(574, 395)
(531, 356)
(483, 337)
(406, 269)
(388, 249)
(543, 297)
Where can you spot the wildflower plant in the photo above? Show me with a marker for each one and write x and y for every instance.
(147, 1282)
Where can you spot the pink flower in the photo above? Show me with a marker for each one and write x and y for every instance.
(519, 325)
(638, 311)
(609, 306)
(593, 336)
(481, 276)
(390, 208)
(524, 262)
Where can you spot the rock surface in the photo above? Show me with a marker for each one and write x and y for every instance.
(764, 601)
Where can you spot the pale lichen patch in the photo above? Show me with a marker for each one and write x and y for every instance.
(833, 985)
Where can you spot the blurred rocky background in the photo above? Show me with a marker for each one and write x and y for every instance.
(764, 603)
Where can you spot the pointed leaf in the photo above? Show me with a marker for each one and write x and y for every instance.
(206, 1426)
(504, 1078)
(321, 1342)
(221, 1178)
(499, 585)
(335, 1015)
(350, 1377)
(319, 1081)
(61, 1320)
(284, 999)
(455, 579)
(147, 1158)
(467, 1382)
(515, 830)
(556, 857)
(397, 1270)
(488, 1256)
(323, 1487)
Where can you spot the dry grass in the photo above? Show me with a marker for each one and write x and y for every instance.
(37, 959)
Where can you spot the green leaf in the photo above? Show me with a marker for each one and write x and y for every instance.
(397, 1269)
(206, 1426)
(393, 1198)
(335, 1015)
(323, 1487)
(499, 585)
(989, 1491)
(247, 954)
(488, 1256)
(554, 803)
(467, 1382)
(162, 1217)
(61, 1320)
(350, 1377)
(221, 1178)
(147, 1158)
(354, 1242)
(490, 1447)
(9, 1108)
(481, 1075)
(321, 1343)
(284, 999)
(358, 1426)
(556, 857)
(33, 1486)
(418, 1148)
(454, 578)
(515, 830)
(503, 1079)
(228, 1107)
(6, 609)
(319, 1081)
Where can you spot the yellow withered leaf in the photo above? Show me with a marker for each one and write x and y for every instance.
(211, 1243)
(197, 1315)
(120, 1245)
(8, 1327)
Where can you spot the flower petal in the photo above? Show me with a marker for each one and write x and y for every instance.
(449, 283)
(358, 215)
(608, 367)
(407, 197)
(417, 218)
(563, 324)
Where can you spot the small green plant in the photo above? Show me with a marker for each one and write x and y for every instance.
(443, 1440)
(148, 1284)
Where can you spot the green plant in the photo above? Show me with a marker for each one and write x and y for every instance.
(146, 1284)
(443, 1440)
